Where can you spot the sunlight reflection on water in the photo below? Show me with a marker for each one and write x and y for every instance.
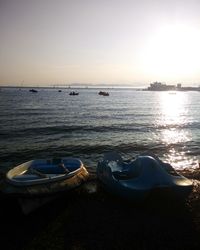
(173, 110)
(174, 136)
(179, 160)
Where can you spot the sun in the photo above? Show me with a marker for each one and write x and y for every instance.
(172, 52)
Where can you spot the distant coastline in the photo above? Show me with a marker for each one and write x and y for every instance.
(155, 86)
(74, 87)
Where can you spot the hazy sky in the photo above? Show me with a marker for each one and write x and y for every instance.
(99, 41)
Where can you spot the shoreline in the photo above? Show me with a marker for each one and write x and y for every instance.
(89, 217)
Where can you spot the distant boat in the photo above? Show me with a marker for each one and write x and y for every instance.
(33, 90)
(103, 93)
(73, 93)
(59, 90)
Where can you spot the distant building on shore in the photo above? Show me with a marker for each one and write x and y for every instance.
(158, 86)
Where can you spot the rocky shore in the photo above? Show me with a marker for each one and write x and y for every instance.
(90, 218)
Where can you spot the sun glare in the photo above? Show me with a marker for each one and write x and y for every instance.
(172, 117)
(172, 113)
(172, 52)
(172, 108)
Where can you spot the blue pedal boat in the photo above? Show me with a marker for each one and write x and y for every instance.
(136, 179)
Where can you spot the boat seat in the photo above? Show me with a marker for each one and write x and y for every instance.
(51, 169)
(37, 172)
(121, 175)
(132, 170)
(26, 177)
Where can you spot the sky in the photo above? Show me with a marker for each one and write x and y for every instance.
(122, 42)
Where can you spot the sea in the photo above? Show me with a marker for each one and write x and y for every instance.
(50, 123)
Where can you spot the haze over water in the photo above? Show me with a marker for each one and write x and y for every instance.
(51, 123)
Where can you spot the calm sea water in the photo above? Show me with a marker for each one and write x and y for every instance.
(51, 124)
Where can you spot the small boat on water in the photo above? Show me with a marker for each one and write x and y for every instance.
(38, 181)
(33, 90)
(73, 93)
(136, 179)
(103, 93)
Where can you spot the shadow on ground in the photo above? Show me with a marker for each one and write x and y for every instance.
(97, 220)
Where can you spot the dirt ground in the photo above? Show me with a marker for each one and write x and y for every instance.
(91, 218)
